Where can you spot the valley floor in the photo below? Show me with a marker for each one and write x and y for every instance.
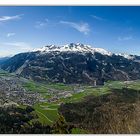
(47, 98)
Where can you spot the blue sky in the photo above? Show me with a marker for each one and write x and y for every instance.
(116, 29)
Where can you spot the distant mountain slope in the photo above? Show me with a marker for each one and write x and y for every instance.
(74, 63)
(3, 59)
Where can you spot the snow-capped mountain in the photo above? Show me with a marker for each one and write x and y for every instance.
(72, 47)
(74, 63)
(127, 56)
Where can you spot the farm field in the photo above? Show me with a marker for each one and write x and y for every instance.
(48, 111)
(55, 94)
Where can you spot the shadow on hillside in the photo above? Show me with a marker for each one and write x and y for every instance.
(116, 113)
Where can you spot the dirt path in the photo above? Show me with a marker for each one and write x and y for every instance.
(44, 116)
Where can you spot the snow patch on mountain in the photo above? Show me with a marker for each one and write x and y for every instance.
(127, 56)
(72, 48)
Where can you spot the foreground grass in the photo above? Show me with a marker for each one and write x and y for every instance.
(47, 115)
(79, 131)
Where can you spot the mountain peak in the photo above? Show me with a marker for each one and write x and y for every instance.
(73, 47)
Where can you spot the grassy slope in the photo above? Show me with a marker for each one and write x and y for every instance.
(50, 109)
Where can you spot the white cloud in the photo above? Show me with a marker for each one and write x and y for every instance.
(41, 24)
(12, 48)
(10, 34)
(81, 27)
(97, 17)
(125, 38)
(20, 45)
(8, 18)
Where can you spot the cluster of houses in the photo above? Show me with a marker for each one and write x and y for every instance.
(11, 88)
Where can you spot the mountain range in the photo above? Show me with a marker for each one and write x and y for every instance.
(73, 63)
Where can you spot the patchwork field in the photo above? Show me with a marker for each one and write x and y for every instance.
(48, 111)
(55, 94)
